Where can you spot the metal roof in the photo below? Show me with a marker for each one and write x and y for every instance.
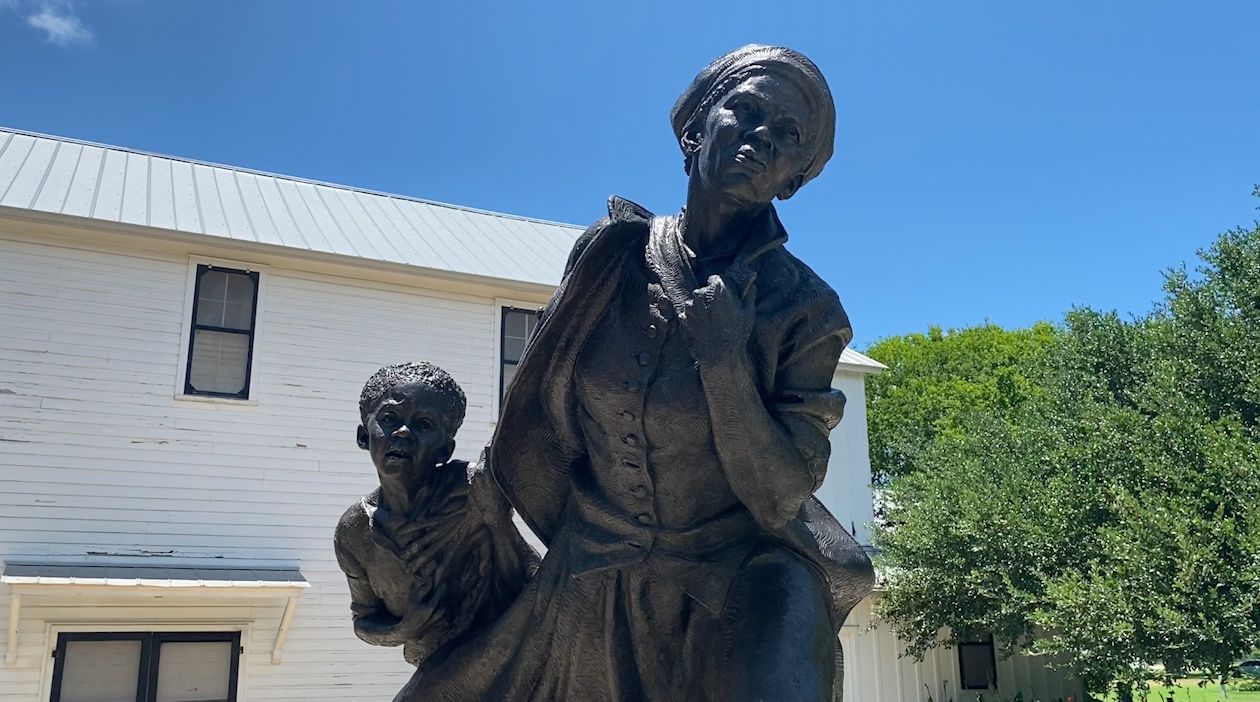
(94, 181)
(150, 575)
(98, 182)
(860, 363)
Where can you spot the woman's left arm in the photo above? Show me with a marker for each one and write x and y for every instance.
(774, 450)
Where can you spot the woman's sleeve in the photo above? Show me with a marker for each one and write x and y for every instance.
(805, 404)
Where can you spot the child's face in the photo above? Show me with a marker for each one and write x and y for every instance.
(407, 431)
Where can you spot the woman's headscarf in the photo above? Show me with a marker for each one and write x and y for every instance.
(728, 71)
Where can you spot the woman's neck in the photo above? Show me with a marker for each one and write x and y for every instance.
(715, 226)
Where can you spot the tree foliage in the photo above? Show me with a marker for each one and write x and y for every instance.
(1113, 516)
(935, 379)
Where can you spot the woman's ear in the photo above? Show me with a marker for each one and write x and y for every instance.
(789, 188)
(361, 436)
(690, 145)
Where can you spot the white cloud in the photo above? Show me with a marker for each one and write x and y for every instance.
(59, 23)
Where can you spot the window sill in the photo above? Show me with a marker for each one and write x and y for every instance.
(231, 401)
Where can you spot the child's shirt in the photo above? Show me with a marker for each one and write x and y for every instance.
(379, 580)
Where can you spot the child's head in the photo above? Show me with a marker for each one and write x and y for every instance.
(410, 414)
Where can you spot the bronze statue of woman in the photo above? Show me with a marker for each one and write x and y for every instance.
(667, 428)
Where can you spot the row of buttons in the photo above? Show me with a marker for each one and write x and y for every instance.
(640, 490)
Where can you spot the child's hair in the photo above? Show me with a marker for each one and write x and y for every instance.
(436, 379)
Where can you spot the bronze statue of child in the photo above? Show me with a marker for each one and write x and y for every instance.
(432, 554)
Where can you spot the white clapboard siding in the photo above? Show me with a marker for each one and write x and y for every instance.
(877, 670)
(97, 456)
(846, 490)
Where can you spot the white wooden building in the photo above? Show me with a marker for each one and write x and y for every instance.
(166, 521)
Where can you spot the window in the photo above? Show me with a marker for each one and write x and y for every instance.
(977, 667)
(146, 667)
(516, 327)
(221, 341)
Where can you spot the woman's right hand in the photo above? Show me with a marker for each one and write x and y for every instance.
(717, 322)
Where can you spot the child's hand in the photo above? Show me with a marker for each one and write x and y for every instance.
(435, 543)
(389, 530)
(438, 566)
(422, 611)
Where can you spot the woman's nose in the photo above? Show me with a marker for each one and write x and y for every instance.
(402, 431)
(761, 134)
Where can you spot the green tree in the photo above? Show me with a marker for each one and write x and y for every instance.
(935, 379)
(1112, 518)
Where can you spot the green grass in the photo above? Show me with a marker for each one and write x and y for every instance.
(1189, 691)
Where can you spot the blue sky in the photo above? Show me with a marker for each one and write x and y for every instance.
(997, 161)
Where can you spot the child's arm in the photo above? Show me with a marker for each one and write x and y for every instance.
(380, 628)
(373, 622)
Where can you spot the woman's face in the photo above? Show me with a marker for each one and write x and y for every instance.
(754, 146)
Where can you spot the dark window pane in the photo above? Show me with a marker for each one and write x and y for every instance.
(976, 663)
(219, 362)
(509, 372)
(518, 325)
(240, 289)
(237, 315)
(210, 312)
(101, 671)
(225, 300)
(214, 284)
(514, 324)
(513, 347)
(194, 671)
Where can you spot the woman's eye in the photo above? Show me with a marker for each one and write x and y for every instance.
(424, 424)
(389, 418)
(793, 134)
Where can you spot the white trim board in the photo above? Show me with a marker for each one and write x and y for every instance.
(193, 590)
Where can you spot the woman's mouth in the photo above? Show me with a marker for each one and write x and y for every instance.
(399, 453)
(746, 156)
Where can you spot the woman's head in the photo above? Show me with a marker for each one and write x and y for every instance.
(757, 123)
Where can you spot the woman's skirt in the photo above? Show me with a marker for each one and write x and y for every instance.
(630, 634)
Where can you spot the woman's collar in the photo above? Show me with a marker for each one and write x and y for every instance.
(765, 234)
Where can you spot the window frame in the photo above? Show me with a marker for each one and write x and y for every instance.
(502, 308)
(150, 655)
(985, 642)
(194, 326)
(183, 390)
(59, 657)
